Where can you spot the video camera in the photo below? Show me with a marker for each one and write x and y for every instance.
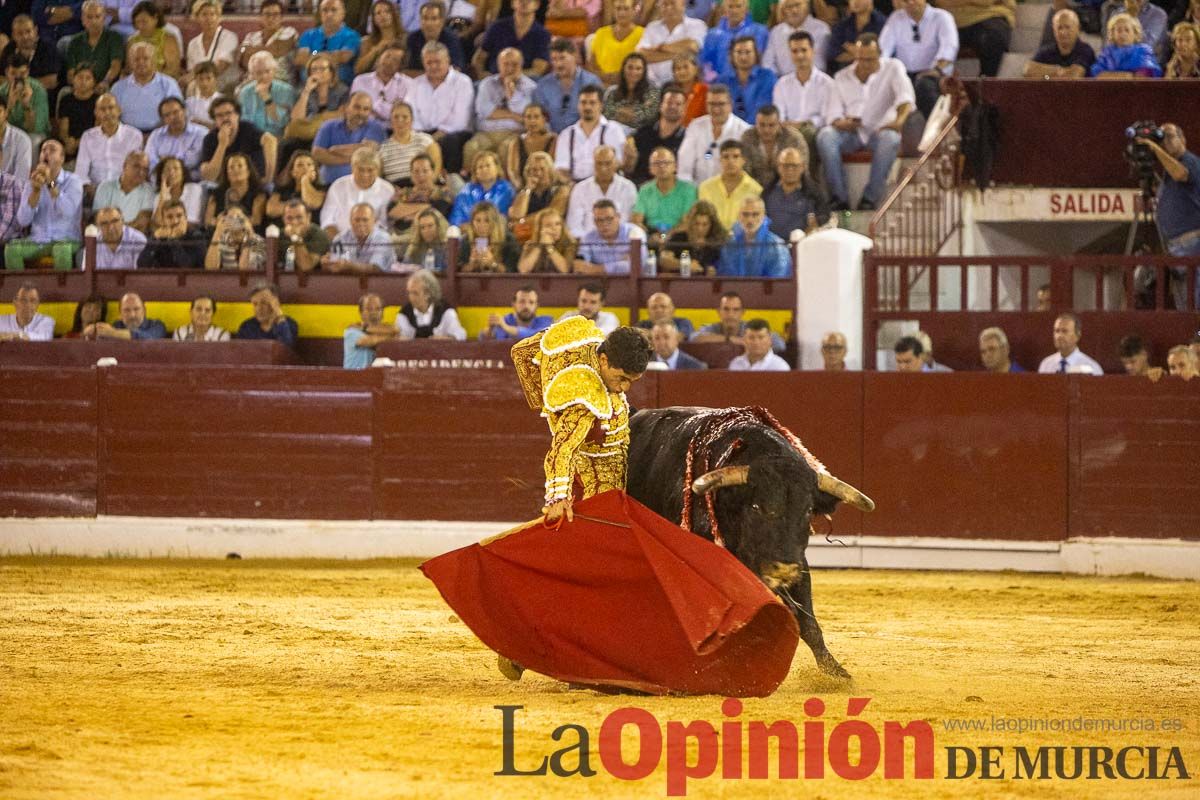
(1139, 155)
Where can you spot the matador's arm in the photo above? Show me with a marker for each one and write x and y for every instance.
(571, 428)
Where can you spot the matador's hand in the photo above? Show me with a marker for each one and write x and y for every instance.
(555, 512)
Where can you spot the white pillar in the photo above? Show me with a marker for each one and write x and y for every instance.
(829, 288)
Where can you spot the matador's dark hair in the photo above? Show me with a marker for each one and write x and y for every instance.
(627, 349)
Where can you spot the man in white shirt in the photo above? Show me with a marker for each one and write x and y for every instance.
(925, 40)
(794, 17)
(758, 356)
(362, 185)
(590, 304)
(441, 100)
(425, 315)
(1069, 358)
(102, 149)
(801, 95)
(500, 102)
(26, 324)
(867, 106)
(674, 34)
(576, 145)
(699, 155)
(118, 245)
(605, 184)
(387, 85)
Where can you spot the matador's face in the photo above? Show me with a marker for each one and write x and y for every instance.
(616, 380)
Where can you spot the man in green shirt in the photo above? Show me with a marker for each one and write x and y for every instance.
(28, 107)
(662, 202)
(97, 45)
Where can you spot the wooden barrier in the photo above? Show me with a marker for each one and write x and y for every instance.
(81, 353)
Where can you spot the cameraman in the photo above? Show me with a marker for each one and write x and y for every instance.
(1178, 212)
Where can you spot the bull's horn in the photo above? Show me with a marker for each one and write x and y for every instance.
(718, 478)
(844, 492)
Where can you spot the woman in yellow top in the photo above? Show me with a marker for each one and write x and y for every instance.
(612, 43)
(149, 21)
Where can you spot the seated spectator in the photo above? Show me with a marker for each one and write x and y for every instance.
(233, 134)
(520, 32)
(25, 323)
(362, 185)
(332, 37)
(214, 43)
(424, 194)
(76, 108)
(132, 326)
(364, 248)
(487, 246)
(234, 243)
(1043, 298)
(801, 95)
(728, 190)
(833, 351)
(1185, 62)
(174, 243)
(88, 311)
(359, 340)
(486, 186)
(606, 249)
(701, 235)
(753, 251)
(177, 138)
(698, 154)
(750, 86)
(1182, 362)
(861, 17)
(500, 101)
(425, 315)
(266, 101)
(762, 144)
(171, 180)
(433, 30)
(632, 101)
(1134, 355)
(298, 181)
(201, 329)
(51, 206)
(307, 241)
(1151, 18)
(239, 185)
(985, 27)
(386, 32)
(520, 323)
(574, 149)
(908, 352)
(660, 309)
(931, 365)
(666, 131)
(398, 150)
(339, 139)
(320, 100)
(794, 201)
(16, 147)
(130, 194)
(662, 203)
(10, 200)
(794, 18)
(544, 188)
(1124, 54)
(604, 184)
(993, 351)
(1069, 358)
(758, 355)
(665, 338)
(673, 34)
(28, 107)
(925, 41)
(275, 38)
(589, 304)
(730, 327)
(142, 91)
(201, 94)
(686, 72)
(612, 44)
(735, 24)
(442, 99)
(535, 137)
(150, 23)
(387, 85)
(428, 247)
(1068, 57)
(868, 105)
(269, 321)
(551, 248)
(558, 91)
(41, 54)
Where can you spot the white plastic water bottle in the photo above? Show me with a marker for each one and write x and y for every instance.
(289, 259)
(430, 260)
(685, 264)
(651, 264)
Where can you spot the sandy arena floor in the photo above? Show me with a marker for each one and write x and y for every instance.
(239, 679)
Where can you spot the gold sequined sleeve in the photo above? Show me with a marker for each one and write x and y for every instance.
(524, 356)
(571, 427)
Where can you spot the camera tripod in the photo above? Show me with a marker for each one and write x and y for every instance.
(1143, 236)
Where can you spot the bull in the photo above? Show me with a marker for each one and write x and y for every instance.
(758, 482)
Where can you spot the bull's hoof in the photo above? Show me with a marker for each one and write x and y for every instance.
(509, 668)
(830, 666)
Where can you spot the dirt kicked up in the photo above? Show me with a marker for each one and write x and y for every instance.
(246, 679)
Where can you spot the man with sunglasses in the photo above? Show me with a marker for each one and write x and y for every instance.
(925, 40)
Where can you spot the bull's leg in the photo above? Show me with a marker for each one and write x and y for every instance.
(798, 597)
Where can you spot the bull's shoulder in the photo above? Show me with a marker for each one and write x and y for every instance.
(578, 385)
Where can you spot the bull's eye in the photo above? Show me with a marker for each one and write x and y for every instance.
(756, 506)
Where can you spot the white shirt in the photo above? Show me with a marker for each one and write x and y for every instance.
(621, 191)
(772, 363)
(213, 334)
(656, 35)
(17, 159)
(606, 321)
(344, 194)
(778, 55)
(125, 256)
(875, 101)
(574, 149)
(699, 153)
(383, 95)
(449, 326)
(376, 250)
(446, 108)
(39, 329)
(939, 39)
(1077, 362)
(101, 157)
(224, 48)
(803, 102)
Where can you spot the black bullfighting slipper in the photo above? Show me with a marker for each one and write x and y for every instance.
(509, 668)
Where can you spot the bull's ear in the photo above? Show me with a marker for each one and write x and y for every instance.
(720, 478)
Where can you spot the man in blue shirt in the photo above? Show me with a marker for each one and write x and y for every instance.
(558, 92)
(132, 325)
(51, 204)
(177, 137)
(522, 322)
(433, 29)
(268, 321)
(140, 92)
(56, 19)
(750, 86)
(337, 139)
(1178, 205)
(332, 36)
(714, 56)
(606, 249)
(521, 31)
(753, 251)
(359, 340)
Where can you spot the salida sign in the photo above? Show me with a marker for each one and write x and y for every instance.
(1091, 203)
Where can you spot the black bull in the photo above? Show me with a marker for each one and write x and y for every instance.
(766, 494)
